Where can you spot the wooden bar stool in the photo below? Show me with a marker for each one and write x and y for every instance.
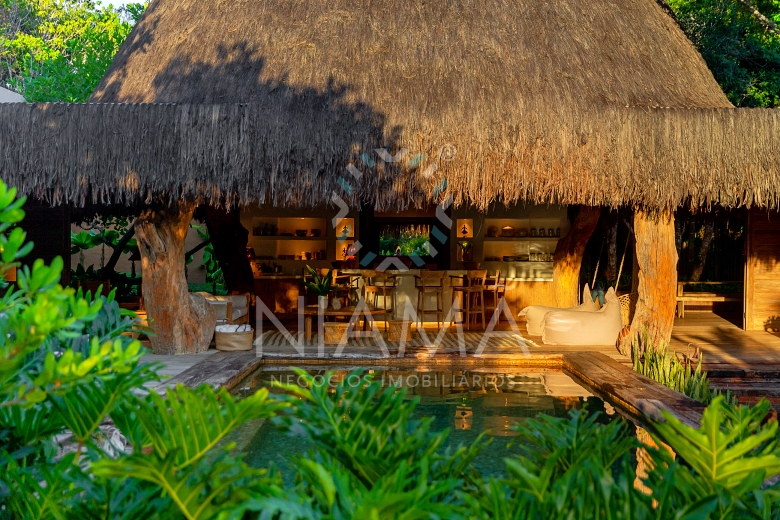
(471, 294)
(379, 285)
(497, 289)
(430, 283)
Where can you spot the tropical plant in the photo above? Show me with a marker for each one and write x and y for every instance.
(724, 463)
(572, 467)
(319, 285)
(686, 376)
(64, 367)
(214, 274)
(82, 241)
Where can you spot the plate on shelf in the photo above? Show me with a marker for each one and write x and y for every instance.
(510, 259)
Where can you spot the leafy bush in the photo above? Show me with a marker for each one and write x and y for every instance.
(661, 365)
(214, 275)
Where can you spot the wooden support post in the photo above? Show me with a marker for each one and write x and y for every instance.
(656, 256)
(568, 256)
(183, 323)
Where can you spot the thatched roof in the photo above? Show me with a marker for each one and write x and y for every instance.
(449, 66)
(612, 156)
(557, 101)
(491, 78)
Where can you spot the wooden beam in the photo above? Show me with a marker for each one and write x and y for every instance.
(656, 256)
(568, 256)
(183, 323)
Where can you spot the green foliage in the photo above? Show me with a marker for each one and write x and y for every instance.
(662, 366)
(725, 462)
(320, 285)
(571, 467)
(82, 241)
(214, 274)
(743, 56)
(58, 50)
(182, 431)
(368, 430)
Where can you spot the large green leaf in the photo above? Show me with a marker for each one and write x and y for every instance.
(369, 431)
(42, 492)
(189, 422)
(727, 458)
(199, 491)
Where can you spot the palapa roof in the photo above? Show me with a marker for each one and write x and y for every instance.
(557, 101)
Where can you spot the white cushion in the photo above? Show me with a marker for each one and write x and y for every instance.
(534, 315)
(239, 302)
(569, 327)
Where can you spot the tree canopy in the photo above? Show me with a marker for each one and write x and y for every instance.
(58, 50)
(740, 41)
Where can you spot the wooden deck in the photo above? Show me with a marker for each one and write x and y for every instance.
(745, 362)
(724, 344)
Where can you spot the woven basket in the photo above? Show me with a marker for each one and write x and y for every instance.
(628, 307)
(334, 331)
(232, 341)
(395, 331)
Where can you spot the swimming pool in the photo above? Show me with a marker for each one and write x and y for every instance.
(468, 402)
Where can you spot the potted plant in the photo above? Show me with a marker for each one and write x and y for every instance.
(319, 285)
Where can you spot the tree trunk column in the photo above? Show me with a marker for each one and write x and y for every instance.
(656, 256)
(568, 256)
(183, 323)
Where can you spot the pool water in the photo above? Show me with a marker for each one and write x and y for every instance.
(465, 401)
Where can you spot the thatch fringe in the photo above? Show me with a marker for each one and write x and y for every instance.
(244, 154)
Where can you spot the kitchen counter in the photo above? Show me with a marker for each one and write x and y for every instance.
(280, 276)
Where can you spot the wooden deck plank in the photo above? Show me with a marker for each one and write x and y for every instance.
(639, 394)
(220, 369)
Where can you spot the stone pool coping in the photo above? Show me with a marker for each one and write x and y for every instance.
(636, 394)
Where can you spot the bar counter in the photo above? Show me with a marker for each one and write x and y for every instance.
(280, 291)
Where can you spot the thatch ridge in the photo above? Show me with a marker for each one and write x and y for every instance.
(609, 156)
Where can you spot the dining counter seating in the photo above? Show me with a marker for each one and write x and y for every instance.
(471, 293)
(430, 283)
(376, 285)
(496, 287)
